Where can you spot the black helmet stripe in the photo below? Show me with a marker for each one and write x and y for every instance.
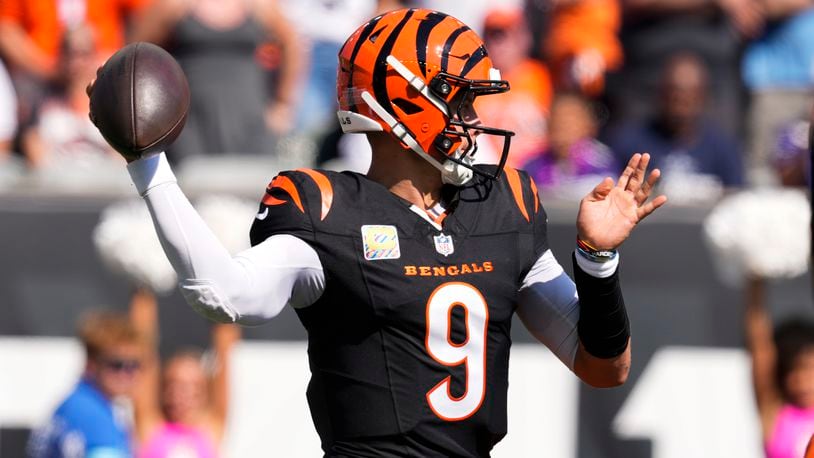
(478, 56)
(423, 35)
(380, 67)
(448, 46)
(356, 47)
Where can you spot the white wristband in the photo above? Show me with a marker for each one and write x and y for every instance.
(149, 172)
(597, 269)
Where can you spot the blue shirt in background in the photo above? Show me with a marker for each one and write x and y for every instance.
(86, 424)
(783, 58)
(712, 152)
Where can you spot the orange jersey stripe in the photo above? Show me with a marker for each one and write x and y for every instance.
(514, 183)
(326, 191)
(536, 198)
(285, 183)
(268, 199)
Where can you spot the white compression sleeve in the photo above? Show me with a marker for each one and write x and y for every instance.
(251, 287)
(548, 306)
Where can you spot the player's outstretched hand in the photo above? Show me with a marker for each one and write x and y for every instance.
(609, 213)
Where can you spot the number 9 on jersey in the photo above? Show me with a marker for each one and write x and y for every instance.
(471, 352)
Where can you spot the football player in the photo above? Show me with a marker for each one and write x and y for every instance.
(406, 278)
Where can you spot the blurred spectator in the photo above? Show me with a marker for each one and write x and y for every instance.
(324, 25)
(582, 43)
(777, 220)
(791, 158)
(653, 30)
(182, 410)
(691, 149)
(61, 134)
(470, 12)
(31, 30)
(215, 42)
(777, 69)
(524, 108)
(383, 6)
(31, 35)
(94, 420)
(574, 161)
(783, 375)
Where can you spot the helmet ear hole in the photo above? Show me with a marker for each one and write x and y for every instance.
(407, 106)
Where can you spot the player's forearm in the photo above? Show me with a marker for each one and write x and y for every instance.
(602, 372)
(549, 308)
(191, 247)
(249, 288)
(585, 329)
(604, 330)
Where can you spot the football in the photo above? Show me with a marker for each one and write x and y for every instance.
(140, 100)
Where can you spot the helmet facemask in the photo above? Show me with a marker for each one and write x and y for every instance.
(458, 141)
(455, 146)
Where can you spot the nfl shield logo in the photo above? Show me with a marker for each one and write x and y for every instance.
(443, 244)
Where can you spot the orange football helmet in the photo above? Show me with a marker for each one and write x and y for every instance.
(414, 73)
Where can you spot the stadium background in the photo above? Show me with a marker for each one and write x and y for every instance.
(689, 393)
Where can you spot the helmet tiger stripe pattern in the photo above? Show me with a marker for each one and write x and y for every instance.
(414, 73)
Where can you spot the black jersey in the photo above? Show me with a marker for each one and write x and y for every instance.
(409, 343)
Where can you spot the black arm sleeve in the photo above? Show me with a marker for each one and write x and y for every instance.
(603, 326)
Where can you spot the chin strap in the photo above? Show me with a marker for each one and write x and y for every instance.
(451, 172)
(457, 174)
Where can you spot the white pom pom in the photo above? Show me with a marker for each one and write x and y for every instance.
(762, 232)
(229, 218)
(127, 243)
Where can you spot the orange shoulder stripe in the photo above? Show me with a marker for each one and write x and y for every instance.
(326, 191)
(285, 183)
(536, 197)
(517, 190)
(270, 200)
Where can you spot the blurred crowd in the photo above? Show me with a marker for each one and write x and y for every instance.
(717, 91)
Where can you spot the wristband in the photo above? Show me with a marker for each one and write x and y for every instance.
(603, 325)
(594, 254)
